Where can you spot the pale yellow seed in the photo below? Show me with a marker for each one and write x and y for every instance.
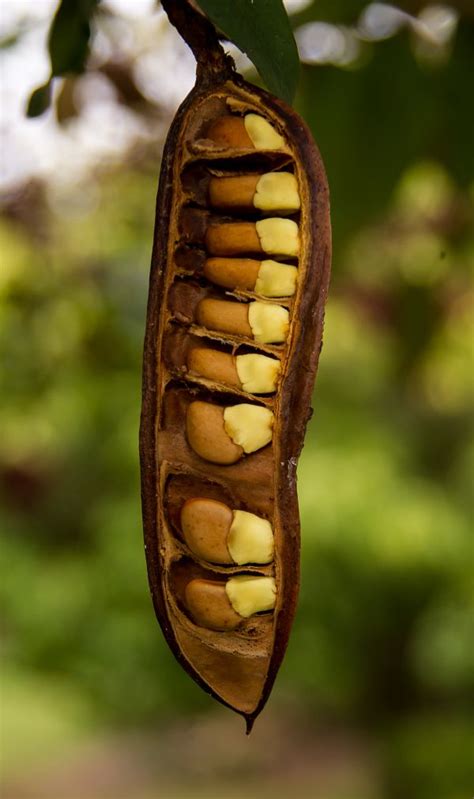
(249, 594)
(262, 134)
(269, 322)
(258, 374)
(276, 280)
(248, 426)
(278, 236)
(250, 539)
(277, 191)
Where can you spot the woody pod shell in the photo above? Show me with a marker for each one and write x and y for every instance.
(238, 671)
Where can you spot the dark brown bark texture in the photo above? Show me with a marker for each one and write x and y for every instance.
(236, 667)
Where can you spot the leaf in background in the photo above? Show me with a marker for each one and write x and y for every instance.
(68, 44)
(69, 36)
(39, 100)
(261, 29)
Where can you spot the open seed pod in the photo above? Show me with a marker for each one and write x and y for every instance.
(239, 279)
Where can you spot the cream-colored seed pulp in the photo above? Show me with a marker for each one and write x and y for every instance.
(250, 539)
(278, 236)
(249, 594)
(258, 374)
(269, 323)
(276, 280)
(277, 191)
(262, 134)
(249, 426)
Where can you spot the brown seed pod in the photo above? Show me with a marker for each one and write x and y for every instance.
(229, 367)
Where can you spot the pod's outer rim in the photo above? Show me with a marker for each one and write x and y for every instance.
(295, 410)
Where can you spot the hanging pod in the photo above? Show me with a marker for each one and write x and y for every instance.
(239, 278)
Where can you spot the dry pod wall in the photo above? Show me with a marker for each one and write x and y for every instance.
(239, 279)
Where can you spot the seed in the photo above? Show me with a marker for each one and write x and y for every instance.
(269, 323)
(251, 594)
(254, 373)
(249, 426)
(276, 279)
(233, 193)
(223, 606)
(220, 367)
(277, 191)
(274, 236)
(257, 373)
(228, 317)
(207, 436)
(209, 605)
(265, 322)
(206, 524)
(268, 278)
(230, 131)
(273, 191)
(233, 273)
(232, 238)
(278, 236)
(218, 534)
(262, 134)
(252, 132)
(222, 435)
(250, 539)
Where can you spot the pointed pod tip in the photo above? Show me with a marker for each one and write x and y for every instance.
(249, 722)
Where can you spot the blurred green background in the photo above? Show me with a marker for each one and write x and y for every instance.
(372, 701)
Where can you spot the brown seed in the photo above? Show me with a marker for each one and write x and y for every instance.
(206, 434)
(233, 193)
(206, 524)
(232, 238)
(225, 316)
(233, 273)
(214, 365)
(272, 192)
(229, 131)
(209, 605)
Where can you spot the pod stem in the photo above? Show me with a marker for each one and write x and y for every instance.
(201, 36)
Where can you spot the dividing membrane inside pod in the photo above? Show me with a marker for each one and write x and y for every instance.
(239, 278)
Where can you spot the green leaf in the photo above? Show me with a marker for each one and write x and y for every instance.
(261, 29)
(68, 44)
(69, 36)
(39, 100)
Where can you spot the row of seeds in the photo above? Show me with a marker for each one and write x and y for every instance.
(253, 256)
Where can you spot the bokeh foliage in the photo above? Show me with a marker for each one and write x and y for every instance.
(381, 639)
